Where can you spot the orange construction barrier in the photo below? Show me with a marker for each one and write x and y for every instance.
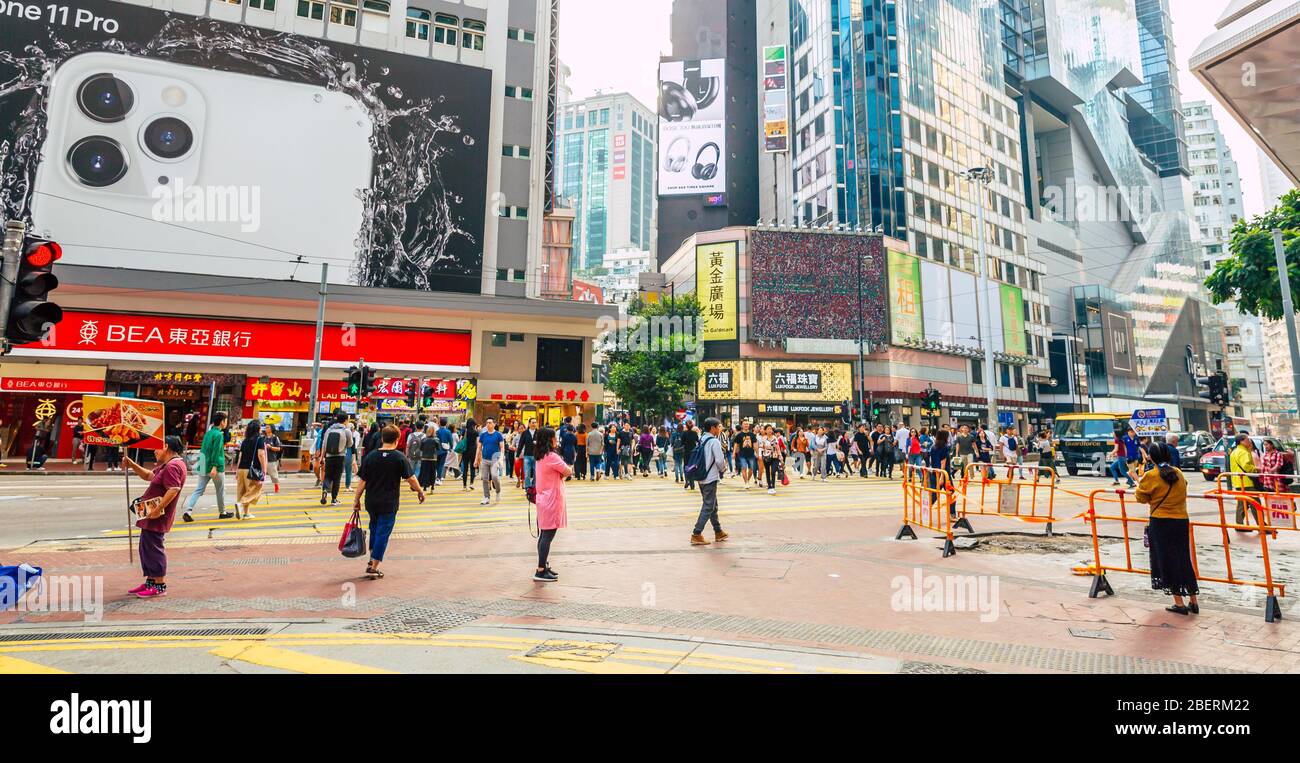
(1008, 494)
(1272, 610)
(1281, 504)
(928, 502)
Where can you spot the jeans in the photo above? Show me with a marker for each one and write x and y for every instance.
(490, 476)
(530, 470)
(686, 459)
(770, 467)
(381, 526)
(611, 463)
(662, 462)
(798, 460)
(348, 455)
(708, 508)
(679, 466)
(442, 464)
(1119, 470)
(219, 482)
(580, 465)
(594, 464)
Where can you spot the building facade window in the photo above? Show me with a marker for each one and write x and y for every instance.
(310, 9)
(445, 28)
(343, 12)
(265, 5)
(473, 35)
(418, 23)
(522, 35)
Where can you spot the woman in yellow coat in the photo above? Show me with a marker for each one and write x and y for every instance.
(1165, 489)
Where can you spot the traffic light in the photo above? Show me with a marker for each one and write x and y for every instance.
(1215, 388)
(354, 382)
(409, 387)
(930, 401)
(367, 381)
(426, 395)
(30, 311)
(875, 410)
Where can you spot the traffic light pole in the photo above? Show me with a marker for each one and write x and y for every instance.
(15, 231)
(320, 339)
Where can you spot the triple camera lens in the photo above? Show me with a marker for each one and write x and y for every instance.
(99, 161)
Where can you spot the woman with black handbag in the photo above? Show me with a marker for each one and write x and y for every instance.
(252, 470)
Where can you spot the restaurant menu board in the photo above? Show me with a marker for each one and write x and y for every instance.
(122, 422)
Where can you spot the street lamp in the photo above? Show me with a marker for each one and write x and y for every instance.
(980, 178)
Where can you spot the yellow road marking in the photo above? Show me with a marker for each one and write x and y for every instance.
(13, 665)
(297, 662)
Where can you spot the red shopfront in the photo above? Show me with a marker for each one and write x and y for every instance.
(43, 401)
(244, 352)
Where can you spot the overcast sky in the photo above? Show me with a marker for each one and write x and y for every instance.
(614, 46)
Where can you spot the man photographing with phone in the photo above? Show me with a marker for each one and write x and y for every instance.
(156, 510)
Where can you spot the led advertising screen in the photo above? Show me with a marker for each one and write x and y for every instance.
(809, 286)
(692, 127)
(936, 303)
(1013, 319)
(140, 138)
(905, 310)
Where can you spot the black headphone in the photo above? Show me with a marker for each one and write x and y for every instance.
(708, 171)
(680, 102)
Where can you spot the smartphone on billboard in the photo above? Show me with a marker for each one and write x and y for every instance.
(187, 169)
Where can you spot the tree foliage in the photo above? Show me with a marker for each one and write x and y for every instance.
(655, 374)
(1249, 274)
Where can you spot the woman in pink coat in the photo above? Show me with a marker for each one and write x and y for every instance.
(551, 473)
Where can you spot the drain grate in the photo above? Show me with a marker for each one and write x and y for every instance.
(71, 635)
(802, 548)
(266, 561)
(415, 620)
(933, 668)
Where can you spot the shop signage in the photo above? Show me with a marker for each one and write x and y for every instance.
(171, 392)
(73, 412)
(788, 380)
(793, 408)
(56, 386)
(718, 380)
(716, 278)
(175, 377)
(560, 396)
(1150, 422)
(274, 390)
(95, 334)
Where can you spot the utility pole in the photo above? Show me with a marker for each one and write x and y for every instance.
(320, 340)
(1288, 309)
(979, 177)
(15, 232)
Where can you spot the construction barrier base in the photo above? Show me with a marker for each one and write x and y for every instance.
(948, 548)
(963, 523)
(1100, 584)
(905, 531)
(1049, 529)
(1272, 610)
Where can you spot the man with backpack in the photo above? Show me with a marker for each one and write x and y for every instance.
(707, 467)
(444, 438)
(334, 447)
(428, 454)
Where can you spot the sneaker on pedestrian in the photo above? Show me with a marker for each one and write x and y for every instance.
(545, 576)
(139, 588)
(698, 540)
(186, 516)
(225, 515)
(324, 496)
(484, 502)
(250, 516)
(152, 590)
(553, 572)
(771, 491)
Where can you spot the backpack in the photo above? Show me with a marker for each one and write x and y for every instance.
(414, 443)
(696, 468)
(1012, 445)
(429, 448)
(336, 441)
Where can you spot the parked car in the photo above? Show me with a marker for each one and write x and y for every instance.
(1212, 462)
(1193, 445)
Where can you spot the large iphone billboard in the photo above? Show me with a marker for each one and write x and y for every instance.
(140, 138)
(692, 127)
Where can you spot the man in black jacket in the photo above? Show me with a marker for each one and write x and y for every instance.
(690, 440)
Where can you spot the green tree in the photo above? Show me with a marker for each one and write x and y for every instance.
(1249, 274)
(654, 367)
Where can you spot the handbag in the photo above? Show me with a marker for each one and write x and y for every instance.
(785, 478)
(353, 542)
(460, 446)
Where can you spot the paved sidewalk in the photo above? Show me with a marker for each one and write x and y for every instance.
(839, 583)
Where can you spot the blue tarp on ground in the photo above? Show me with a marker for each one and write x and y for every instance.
(16, 581)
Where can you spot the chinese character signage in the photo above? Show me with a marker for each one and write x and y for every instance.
(776, 100)
(1150, 422)
(1013, 319)
(58, 386)
(91, 334)
(717, 380)
(716, 275)
(790, 380)
(122, 422)
(905, 316)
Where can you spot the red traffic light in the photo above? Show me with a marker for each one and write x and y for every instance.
(44, 254)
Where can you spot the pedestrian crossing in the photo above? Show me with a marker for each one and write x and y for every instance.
(296, 511)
